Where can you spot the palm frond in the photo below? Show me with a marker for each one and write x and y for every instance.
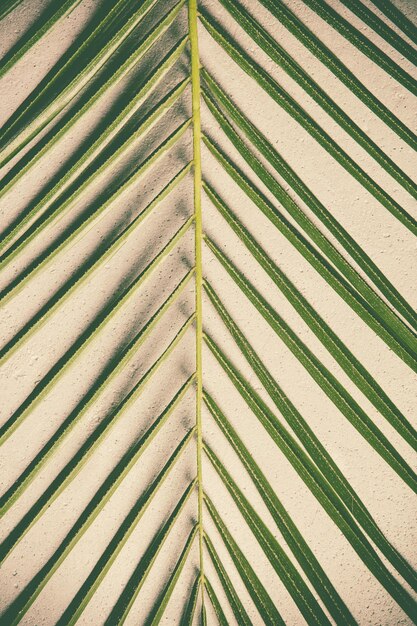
(206, 354)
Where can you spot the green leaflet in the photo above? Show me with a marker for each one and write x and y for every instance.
(157, 612)
(85, 593)
(127, 597)
(72, 72)
(297, 588)
(106, 313)
(267, 150)
(322, 490)
(144, 56)
(83, 454)
(383, 29)
(203, 616)
(28, 595)
(312, 445)
(283, 99)
(333, 476)
(233, 598)
(90, 155)
(7, 6)
(348, 78)
(257, 591)
(399, 19)
(340, 352)
(105, 249)
(292, 536)
(363, 44)
(284, 60)
(102, 204)
(46, 20)
(45, 311)
(187, 617)
(406, 352)
(216, 604)
(110, 371)
(324, 378)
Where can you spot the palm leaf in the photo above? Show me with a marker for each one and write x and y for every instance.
(191, 415)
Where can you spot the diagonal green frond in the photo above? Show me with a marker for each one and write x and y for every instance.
(393, 323)
(215, 603)
(89, 332)
(257, 591)
(406, 352)
(291, 106)
(138, 577)
(93, 136)
(109, 373)
(284, 60)
(101, 149)
(52, 14)
(7, 6)
(106, 127)
(330, 471)
(268, 151)
(100, 569)
(157, 612)
(339, 69)
(100, 205)
(290, 532)
(339, 351)
(362, 43)
(314, 480)
(284, 568)
(72, 72)
(382, 28)
(28, 595)
(84, 453)
(233, 598)
(312, 445)
(323, 377)
(397, 17)
(187, 617)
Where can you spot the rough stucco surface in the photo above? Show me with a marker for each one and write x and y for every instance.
(388, 243)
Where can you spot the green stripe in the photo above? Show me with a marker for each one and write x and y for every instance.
(97, 145)
(328, 468)
(382, 29)
(49, 16)
(283, 566)
(126, 599)
(187, 617)
(86, 450)
(157, 611)
(238, 609)
(398, 18)
(100, 40)
(216, 604)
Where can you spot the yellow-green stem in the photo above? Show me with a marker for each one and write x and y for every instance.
(195, 84)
